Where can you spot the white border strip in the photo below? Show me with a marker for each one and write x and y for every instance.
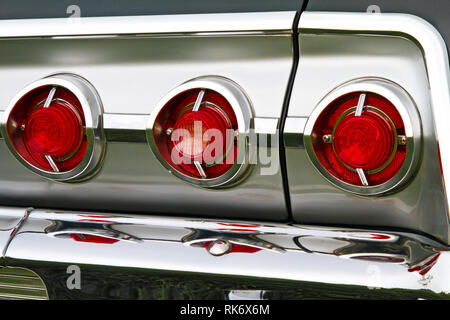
(278, 21)
(435, 54)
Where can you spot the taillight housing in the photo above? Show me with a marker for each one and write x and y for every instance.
(199, 132)
(53, 127)
(365, 136)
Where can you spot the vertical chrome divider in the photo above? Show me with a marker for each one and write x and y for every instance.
(284, 111)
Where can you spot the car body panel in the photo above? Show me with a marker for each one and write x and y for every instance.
(133, 63)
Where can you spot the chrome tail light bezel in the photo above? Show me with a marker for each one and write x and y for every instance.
(413, 132)
(93, 113)
(243, 110)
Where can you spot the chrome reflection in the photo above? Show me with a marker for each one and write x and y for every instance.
(89, 230)
(271, 251)
(232, 241)
(414, 255)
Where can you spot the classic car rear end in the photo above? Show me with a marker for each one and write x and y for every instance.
(276, 151)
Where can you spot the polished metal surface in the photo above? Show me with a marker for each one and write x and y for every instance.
(364, 260)
(125, 127)
(360, 106)
(180, 24)
(132, 70)
(268, 126)
(93, 111)
(125, 122)
(408, 111)
(246, 295)
(336, 48)
(293, 132)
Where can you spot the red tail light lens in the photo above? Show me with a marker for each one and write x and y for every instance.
(360, 149)
(51, 133)
(198, 141)
(365, 136)
(200, 132)
(364, 142)
(53, 127)
(200, 126)
(90, 238)
(56, 131)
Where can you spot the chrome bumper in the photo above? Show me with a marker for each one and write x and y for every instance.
(138, 256)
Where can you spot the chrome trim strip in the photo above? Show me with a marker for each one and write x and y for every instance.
(295, 125)
(49, 98)
(182, 24)
(198, 101)
(360, 106)
(123, 121)
(131, 127)
(362, 177)
(138, 122)
(52, 163)
(267, 126)
(260, 250)
(432, 45)
(200, 170)
(125, 127)
(293, 132)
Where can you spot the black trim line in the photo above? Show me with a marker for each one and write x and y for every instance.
(284, 111)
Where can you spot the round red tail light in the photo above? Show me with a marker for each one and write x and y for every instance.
(198, 131)
(51, 133)
(365, 142)
(200, 127)
(362, 138)
(49, 127)
(56, 131)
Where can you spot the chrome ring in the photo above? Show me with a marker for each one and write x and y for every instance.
(93, 113)
(411, 119)
(244, 114)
